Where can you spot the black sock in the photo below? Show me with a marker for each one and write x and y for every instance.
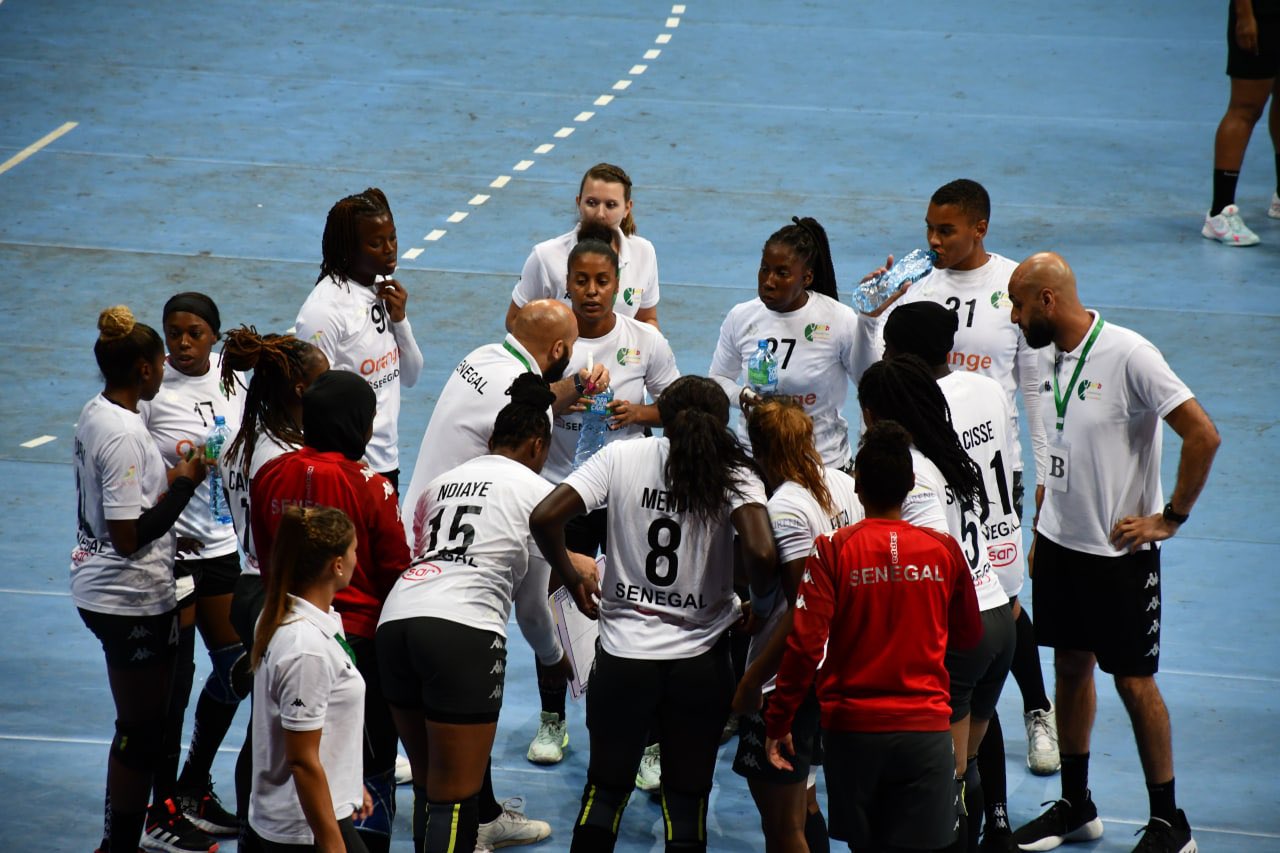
(244, 776)
(1075, 778)
(208, 729)
(488, 807)
(451, 826)
(552, 687)
(590, 838)
(165, 783)
(1224, 189)
(1278, 170)
(815, 833)
(419, 822)
(1026, 667)
(1163, 805)
(973, 803)
(992, 769)
(126, 831)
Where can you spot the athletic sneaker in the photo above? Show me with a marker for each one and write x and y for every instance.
(206, 812)
(549, 743)
(169, 831)
(1160, 836)
(649, 776)
(997, 841)
(511, 828)
(1227, 227)
(404, 771)
(1060, 824)
(1042, 742)
(1274, 210)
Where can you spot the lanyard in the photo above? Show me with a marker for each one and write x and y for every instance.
(506, 345)
(1060, 400)
(346, 647)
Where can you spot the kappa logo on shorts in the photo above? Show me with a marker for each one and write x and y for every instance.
(139, 632)
(1155, 628)
(1152, 580)
(142, 654)
(497, 692)
(498, 668)
(752, 739)
(1153, 604)
(749, 760)
(497, 644)
(1153, 652)
(298, 703)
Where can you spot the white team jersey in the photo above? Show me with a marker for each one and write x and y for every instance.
(979, 412)
(179, 419)
(1113, 432)
(237, 484)
(119, 473)
(463, 417)
(668, 588)
(547, 269)
(816, 349)
(306, 681)
(986, 341)
(473, 556)
(350, 325)
(640, 363)
(797, 520)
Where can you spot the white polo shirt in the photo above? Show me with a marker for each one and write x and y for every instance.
(641, 366)
(350, 325)
(667, 592)
(547, 268)
(473, 556)
(1113, 432)
(306, 681)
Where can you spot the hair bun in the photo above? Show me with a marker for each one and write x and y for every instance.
(530, 389)
(116, 322)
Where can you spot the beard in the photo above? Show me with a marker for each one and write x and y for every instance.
(1038, 332)
(555, 370)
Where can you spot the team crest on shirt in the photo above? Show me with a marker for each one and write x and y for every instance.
(627, 355)
(1089, 390)
(1000, 299)
(817, 332)
(631, 295)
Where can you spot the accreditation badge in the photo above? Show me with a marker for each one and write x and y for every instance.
(1059, 459)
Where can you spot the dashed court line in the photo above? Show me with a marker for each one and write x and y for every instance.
(38, 440)
(49, 138)
(672, 22)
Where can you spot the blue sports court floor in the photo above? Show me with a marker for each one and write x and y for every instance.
(161, 147)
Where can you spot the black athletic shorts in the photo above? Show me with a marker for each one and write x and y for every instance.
(1106, 605)
(752, 761)
(978, 674)
(214, 575)
(1265, 64)
(134, 642)
(246, 606)
(892, 789)
(453, 672)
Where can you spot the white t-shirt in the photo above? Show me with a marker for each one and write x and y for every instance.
(1112, 428)
(179, 419)
(350, 325)
(473, 555)
(306, 681)
(119, 473)
(463, 417)
(668, 589)
(979, 411)
(640, 363)
(264, 450)
(986, 341)
(797, 519)
(547, 269)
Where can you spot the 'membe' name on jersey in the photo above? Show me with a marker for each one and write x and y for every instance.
(662, 563)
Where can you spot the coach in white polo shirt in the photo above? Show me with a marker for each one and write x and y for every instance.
(1096, 565)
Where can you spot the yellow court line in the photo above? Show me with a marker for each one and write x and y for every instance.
(37, 145)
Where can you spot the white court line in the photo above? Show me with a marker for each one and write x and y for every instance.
(665, 38)
(37, 145)
(652, 54)
(38, 440)
(500, 181)
(638, 69)
(563, 132)
(458, 216)
(672, 23)
(522, 166)
(621, 84)
(6, 591)
(478, 199)
(412, 254)
(677, 10)
(583, 116)
(435, 235)
(1198, 828)
(603, 101)
(544, 148)
(92, 741)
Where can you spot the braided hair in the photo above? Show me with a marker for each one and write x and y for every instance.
(704, 453)
(339, 244)
(278, 362)
(612, 174)
(525, 416)
(903, 389)
(808, 240)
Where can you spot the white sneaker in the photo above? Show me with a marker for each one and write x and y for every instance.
(649, 776)
(1274, 210)
(549, 743)
(1042, 742)
(1228, 228)
(511, 828)
(404, 771)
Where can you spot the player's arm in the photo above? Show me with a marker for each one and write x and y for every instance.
(546, 524)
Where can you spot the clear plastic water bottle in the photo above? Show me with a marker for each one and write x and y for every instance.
(762, 370)
(213, 443)
(595, 427)
(870, 295)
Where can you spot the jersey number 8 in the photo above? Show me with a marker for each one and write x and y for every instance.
(658, 552)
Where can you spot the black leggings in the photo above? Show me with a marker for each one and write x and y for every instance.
(349, 835)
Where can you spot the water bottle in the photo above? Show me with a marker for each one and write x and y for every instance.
(762, 370)
(595, 426)
(871, 294)
(213, 443)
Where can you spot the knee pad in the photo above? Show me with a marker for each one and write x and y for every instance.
(685, 818)
(602, 808)
(382, 790)
(231, 678)
(138, 745)
(452, 826)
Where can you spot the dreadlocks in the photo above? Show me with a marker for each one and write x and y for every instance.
(338, 246)
(808, 240)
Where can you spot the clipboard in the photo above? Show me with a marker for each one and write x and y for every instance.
(577, 635)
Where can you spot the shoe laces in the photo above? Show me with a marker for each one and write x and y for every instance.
(1042, 734)
(513, 809)
(1153, 834)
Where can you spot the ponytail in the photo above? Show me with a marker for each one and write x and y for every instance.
(704, 454)
(525, 416)
(808, 240)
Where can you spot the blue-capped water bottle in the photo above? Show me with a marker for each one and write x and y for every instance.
(595, 424)
(213, 444)
(873, 293)
(762, 370)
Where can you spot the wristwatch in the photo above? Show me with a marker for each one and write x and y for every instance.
(1170, 514)
(578, 385)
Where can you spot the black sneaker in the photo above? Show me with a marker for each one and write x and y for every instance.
(1160, 836)
(169, 831)
(997, 840)
(205, 810)
(1063, 822)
